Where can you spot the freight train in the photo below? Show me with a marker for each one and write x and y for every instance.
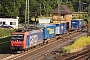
(22, 40)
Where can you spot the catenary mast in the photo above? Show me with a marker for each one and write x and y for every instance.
(88, 20)
(27, 13)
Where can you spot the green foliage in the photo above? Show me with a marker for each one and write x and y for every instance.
(5, 32)
(69, 4)
(66, 49)
(5, 45)
(80, 43)
(13, 8)
(5, 39)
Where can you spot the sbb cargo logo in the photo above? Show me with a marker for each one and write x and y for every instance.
(51, 30)
(34, 39)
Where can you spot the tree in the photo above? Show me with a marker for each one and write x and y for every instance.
(14, 8)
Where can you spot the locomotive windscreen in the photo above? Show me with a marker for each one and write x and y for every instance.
(17, 37)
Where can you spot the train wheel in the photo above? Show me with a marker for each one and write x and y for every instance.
(41, 44)
(44, 42)
(26, 49)
(47, 42)
(34, 46)
(31, 47)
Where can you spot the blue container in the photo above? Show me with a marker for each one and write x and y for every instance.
(65, 27)
(35, 37)
(62, 28)
(49, 31)
(77, 23)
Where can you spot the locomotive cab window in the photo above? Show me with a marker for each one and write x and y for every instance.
(18, 37)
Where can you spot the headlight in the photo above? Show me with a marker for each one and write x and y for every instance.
(12, 44)
(22, 45)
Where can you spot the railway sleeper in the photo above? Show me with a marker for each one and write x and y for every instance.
(41, 44)
(88, 58)
(29, 48)
(81, 56)
(58, 38)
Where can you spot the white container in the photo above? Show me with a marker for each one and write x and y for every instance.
(44, 20)
(57, 28)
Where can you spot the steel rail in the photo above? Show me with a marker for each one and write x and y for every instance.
(28, 52)
(38, 55)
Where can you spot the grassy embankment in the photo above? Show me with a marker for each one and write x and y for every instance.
(5, 39)
(79, 44)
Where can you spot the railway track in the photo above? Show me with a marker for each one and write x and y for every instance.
(58, 51)
(43, 51)
(82, 55)
(40, 52)
(11, 53)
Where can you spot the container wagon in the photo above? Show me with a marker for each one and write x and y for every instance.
(76, 23)
(68, 24)
(57, 28)
(49, 30)
(62, 28)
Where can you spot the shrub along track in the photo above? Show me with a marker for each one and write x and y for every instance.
(42, 51)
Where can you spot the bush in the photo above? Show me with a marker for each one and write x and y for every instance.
(5, 39)
(66, 49)
(5, 32)
(79, 44)
(4, 45)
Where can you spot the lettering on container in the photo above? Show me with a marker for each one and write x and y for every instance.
(51, 30)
